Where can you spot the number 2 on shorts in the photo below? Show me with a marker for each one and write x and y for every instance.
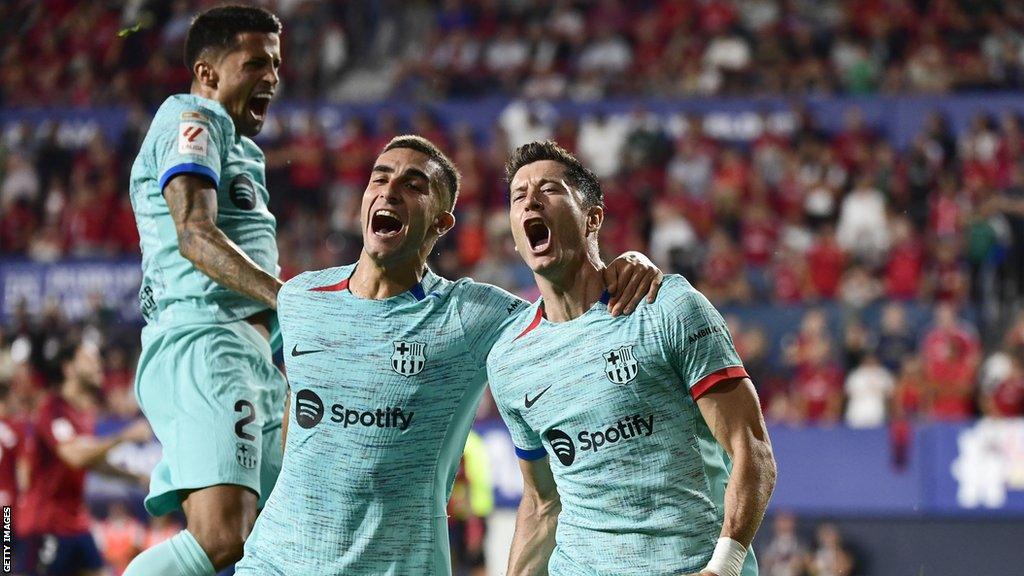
(249, 418)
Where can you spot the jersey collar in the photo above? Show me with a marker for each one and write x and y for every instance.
(418, 290)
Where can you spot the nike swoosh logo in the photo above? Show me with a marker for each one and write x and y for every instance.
(530, 402)
(297, 352)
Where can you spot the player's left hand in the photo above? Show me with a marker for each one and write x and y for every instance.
(628, 279)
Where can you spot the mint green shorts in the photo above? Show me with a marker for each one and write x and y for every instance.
(215, 401)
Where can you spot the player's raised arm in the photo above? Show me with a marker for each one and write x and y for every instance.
(733, 414)
(192, 201)
(87, 451)
(536, 521)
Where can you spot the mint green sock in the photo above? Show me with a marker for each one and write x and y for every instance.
(179, 556)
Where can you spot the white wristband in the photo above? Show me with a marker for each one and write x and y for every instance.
(728, 558)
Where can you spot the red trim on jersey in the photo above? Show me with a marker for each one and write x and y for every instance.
(707, 382)
(534, 324)
(343, 285)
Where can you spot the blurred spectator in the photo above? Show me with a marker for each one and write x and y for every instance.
(785, 554)
(817, 380)
(946, 278)
(120, 536)
(950, 350)
(862, 231)
(673, 240)
(812, 341)
(791, 280)
(830, 556)
(12, 444)
(868, 389)
(600, 143)
(722, 278)
(905, 267)
(6, 359)
(526, 122)
(758, 235)
(692, 166)
(456, 49)
(819, 389)
(858, 287)
(858, 342)
(911, 398)
(1002, 386)
(20, 181)
(607, 54)
(1009, 201)
(1013, 338)
(826, 261)
(895, 342)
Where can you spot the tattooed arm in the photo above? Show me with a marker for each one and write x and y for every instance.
(193, 205)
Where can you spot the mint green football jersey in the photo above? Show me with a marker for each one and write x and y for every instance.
(194, 135)
(383, 394)
(612, 402)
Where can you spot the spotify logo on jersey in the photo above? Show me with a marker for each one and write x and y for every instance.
(309, 409)
(623, 430)
(243, 192)
(562, 446)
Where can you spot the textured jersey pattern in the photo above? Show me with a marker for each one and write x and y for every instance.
(612, 403)
(383, 394)
(194, 135)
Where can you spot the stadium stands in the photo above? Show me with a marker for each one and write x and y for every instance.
(869, 277)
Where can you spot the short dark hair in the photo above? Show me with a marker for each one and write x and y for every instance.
(452, 178)
(218, 28)
(64, 352)
(576, 174)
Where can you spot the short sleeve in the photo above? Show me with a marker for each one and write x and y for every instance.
(193, 143)
(524, 438)
(699, 345)
(485, 312)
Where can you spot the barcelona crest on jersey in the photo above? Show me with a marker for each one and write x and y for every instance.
(408, 359)
(620, 365)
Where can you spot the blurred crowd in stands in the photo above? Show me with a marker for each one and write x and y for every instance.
(106, 52)
(865, 284)
(907, 266)
(787, 552)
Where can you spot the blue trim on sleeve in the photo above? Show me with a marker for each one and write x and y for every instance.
(189, 168)
(530, 454)
(605, 297)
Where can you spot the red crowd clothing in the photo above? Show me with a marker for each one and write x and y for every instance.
(54, 501)
(11, 445)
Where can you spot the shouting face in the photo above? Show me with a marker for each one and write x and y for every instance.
(403, 212)
(552, 227)
(244, 79)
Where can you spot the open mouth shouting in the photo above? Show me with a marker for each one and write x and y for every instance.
(537, 234)
(259, 103)
(385, 223)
